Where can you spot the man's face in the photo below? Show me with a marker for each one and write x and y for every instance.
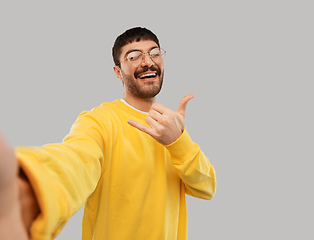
(145, 80)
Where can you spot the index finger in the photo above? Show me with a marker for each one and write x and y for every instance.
(140, 127)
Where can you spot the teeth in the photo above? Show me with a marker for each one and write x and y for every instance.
(148, 75)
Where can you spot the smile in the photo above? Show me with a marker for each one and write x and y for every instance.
(148, 75)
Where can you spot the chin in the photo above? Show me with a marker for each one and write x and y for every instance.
(147, 94)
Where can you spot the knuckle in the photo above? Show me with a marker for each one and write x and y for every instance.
(162, 121)
(158, 136)
(160, 131)
(170, 114)
(155, 105)
(169, 118)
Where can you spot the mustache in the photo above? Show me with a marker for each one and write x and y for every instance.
(142, 70)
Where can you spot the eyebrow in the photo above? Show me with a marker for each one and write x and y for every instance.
(133, 50)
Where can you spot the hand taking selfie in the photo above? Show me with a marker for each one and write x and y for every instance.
(11, 223)
(18, 206)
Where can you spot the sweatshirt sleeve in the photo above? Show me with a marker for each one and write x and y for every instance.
(193, 167)
(63, 175)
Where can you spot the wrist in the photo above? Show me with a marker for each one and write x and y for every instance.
(11, 223)
(27, 199)
(182, 148)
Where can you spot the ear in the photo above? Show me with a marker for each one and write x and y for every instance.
(117, 71)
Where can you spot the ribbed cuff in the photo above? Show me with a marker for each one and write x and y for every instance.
(51, 217)
(182, 148)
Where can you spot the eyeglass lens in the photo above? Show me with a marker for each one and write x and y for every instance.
(136, 58)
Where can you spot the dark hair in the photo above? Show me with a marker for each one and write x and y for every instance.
(129, 36)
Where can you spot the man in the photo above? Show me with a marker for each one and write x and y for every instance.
(130, 162)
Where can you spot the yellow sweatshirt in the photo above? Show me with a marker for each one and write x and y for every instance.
(132, 186)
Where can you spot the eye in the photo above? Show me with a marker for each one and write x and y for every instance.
(155, 52)
(134, 55)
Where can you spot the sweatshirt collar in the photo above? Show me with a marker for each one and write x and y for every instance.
(122, 100)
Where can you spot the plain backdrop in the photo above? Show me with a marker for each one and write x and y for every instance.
(249, 64)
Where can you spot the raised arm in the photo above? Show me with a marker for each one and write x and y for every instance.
(193, 167)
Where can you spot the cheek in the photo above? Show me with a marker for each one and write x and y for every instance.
(127, 71)
(161, 66)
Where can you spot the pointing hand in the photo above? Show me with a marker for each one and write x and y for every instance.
(166, 126)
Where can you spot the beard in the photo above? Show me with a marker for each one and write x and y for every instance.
(144, 90)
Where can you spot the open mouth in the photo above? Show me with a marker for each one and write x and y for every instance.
(150, 75)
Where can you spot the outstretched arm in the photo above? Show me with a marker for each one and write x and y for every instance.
(18, 205)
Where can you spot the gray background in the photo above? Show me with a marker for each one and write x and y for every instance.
(249, 63)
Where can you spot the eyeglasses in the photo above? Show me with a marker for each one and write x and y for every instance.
(136, 58)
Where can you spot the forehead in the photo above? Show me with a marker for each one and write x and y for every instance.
(142, 45)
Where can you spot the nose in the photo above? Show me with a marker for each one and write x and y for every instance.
(147, 61)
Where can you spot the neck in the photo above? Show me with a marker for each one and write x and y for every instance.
(144, 105)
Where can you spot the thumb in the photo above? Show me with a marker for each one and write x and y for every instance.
(183, 103)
